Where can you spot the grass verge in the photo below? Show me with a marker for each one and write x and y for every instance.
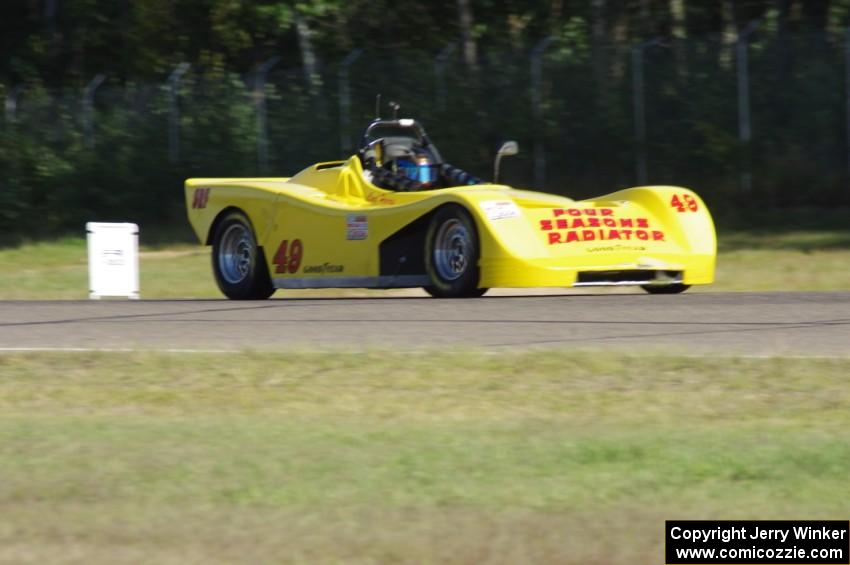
(455, 457)
(755, 261)
(789, 261)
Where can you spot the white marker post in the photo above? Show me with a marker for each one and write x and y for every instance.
(113, 260)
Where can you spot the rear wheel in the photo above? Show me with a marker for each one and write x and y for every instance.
(238, 263)
(674, 288)
(451, 254)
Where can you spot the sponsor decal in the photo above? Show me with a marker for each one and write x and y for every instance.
(570, 225)
(356, 226)
(287, 259)
(499, 209)
(378, 198)
(200, 197)
(323, 268)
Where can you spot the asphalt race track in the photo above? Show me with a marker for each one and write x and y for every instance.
(806, 324)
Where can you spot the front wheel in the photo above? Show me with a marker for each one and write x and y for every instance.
(238, 263)
(674, 288)
(451, 254)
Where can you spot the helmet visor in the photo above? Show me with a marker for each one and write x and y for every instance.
(427, 173)
(423, 171)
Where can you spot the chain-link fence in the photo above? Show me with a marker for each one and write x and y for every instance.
(588, 122)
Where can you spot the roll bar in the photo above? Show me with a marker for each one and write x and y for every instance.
(402, 123)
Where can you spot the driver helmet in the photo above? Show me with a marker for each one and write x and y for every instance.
(418, 168)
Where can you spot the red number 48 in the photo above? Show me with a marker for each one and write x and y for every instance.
(288, 257)
(685, 203)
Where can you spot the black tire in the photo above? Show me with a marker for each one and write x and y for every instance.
(451, 254)
(674, 288)
(238, 262)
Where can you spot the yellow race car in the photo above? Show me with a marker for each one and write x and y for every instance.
(396, 215)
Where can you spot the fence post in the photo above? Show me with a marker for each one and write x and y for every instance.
(174, 112)
(744, 126)
(639, 103)
(88, 109)
(345, 100)
(12, 103)
(440, 62)
(262, 119)
(536, 64)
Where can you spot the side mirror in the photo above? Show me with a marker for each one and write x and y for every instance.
(507, 149)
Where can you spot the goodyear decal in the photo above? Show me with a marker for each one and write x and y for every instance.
(323, 269)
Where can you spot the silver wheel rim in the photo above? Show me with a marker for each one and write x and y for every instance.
(236, 254)
(452, 249)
